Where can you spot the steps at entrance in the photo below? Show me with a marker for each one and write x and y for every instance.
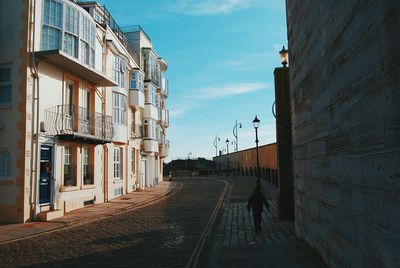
(50, 215)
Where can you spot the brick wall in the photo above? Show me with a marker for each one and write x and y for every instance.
(248, 158)
(345, 97)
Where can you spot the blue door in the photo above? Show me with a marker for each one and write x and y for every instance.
(46, 162)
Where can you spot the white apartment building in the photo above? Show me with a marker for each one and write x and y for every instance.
(82, 109)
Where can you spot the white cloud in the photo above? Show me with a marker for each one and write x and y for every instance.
(228, 90)
(209, 7)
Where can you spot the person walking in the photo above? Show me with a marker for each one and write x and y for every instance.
(256, 202)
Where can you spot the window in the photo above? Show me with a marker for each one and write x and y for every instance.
(118, 163)
(71, 31)
(136, 81)
(78, 31)
(68, 175)
(5, 86)
(5, 164)
(86, 169)
(150, 129)
(119, 108)
(151, 95)
(119, 71)
(52, 23)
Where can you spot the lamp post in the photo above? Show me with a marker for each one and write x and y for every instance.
(235, 134)
(284, 55)
(216, 140)
(282, 113)
(256, 123)
(227, 152)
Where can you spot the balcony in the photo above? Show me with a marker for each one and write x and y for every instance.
(163, 148)
(137, 131)
(163, 64)
(136, 98)
(164, 118)
(74, 66)
(164, 87)
(150, 146)
(74, 123)
(152, 75)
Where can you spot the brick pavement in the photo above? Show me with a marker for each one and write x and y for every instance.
(237, 245)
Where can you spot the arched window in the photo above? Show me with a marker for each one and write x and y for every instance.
(5, 164)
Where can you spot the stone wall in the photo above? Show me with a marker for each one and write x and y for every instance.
(345, 98)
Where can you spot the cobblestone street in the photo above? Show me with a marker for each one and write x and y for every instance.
(164, 234)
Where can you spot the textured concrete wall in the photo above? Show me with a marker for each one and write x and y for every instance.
(345, 97)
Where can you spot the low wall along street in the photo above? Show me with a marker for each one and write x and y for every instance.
(245, 162)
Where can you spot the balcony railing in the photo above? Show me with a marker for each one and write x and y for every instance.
(152, 74)
(102, 16)
(164, 86)
(74, 122)
(164, 118)
(137, 131)
(163, 149)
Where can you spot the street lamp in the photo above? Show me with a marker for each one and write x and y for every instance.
(227, 146)
(284, 54)
(256, 123)
(216, 140)
(235, 134)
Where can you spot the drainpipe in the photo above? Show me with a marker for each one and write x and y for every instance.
(35, 97)
(103, 109)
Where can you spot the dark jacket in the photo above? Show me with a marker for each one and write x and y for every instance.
(256, 201)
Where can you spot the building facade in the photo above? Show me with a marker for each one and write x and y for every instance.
(82, 109)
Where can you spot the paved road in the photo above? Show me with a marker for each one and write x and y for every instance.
(160, 235)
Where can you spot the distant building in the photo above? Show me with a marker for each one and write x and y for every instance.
(82, 109)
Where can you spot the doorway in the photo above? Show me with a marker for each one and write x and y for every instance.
(46, 173)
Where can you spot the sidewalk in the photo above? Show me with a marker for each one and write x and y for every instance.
(133, 200)
(237, 245)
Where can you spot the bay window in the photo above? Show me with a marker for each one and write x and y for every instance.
(61, 21)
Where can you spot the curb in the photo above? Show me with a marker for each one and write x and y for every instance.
(72, 224)
(205, 236)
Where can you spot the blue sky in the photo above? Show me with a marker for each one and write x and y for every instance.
(221, 56)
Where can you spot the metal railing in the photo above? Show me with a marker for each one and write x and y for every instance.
(137, 131)
(133, 29)
(164, 86)
(152, 74)
(164, 118)
(103, 17)
(72, 119)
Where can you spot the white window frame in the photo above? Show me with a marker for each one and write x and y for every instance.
(68, 156)
(119, 108)
(70, 30)
(118, 156)
(86, 165)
